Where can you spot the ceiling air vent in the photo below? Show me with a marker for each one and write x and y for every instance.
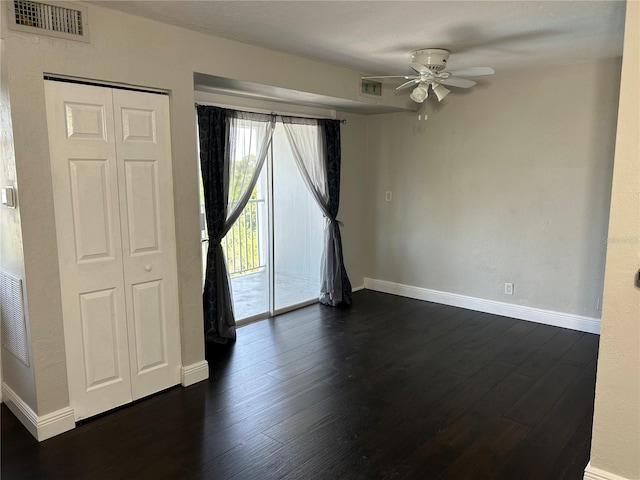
(371, 88)
(55, 19)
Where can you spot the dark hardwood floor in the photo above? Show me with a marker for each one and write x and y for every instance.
(391, 388)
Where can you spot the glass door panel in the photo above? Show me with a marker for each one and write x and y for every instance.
(246, 248)
(298, 227)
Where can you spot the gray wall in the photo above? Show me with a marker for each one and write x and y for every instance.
(15, 373)
(354, 202)
(507, 182)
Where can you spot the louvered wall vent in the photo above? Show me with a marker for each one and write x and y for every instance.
(14, 328)
(54, 19)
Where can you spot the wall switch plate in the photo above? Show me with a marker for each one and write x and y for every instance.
(387, 196)
(8, 197)
(508, 288)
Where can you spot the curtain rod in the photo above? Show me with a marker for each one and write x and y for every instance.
(341, 120)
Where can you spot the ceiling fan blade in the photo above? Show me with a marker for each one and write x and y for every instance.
(409, 83)
(472, 72)
(456, 82)
(385, 76)
(418, 67)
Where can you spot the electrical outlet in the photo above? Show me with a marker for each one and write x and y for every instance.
(387, 196)
(508, 288)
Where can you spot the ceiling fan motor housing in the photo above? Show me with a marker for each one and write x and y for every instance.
(435, 59)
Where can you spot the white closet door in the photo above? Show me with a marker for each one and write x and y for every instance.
(148, 239)
(86, 203)
(113, 201)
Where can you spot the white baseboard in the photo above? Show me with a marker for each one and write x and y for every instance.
(40, 426)
(538, 315)
(593, 473)
(194, 373)
(357, 289)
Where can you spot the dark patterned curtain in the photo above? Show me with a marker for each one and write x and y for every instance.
(233, 145)
(331, 138)
(213, 130)
(316, 149)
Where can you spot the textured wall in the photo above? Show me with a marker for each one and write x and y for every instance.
(616, 428)
(18, 375)
(354, 204)
(506, 182)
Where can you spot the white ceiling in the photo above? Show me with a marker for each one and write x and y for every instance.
(375, 37)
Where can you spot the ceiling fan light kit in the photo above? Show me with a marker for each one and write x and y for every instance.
(430, 64)
(440, 90)
(420, 93)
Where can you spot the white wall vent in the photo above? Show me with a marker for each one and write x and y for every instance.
(55, 19)
(14, 327)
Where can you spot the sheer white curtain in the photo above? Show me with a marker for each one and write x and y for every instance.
(248, 144)
(305, 139)
(316, 150)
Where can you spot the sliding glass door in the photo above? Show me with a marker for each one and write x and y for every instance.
(273, 250)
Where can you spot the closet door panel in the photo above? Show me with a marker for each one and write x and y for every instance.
(99, 320)
(149, 322)
(92, 209)
(147, 222)
(86, 205)
(142, 206)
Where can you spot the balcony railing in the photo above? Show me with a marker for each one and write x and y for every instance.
(242, 244)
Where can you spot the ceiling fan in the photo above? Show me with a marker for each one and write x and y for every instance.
(430, 64)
